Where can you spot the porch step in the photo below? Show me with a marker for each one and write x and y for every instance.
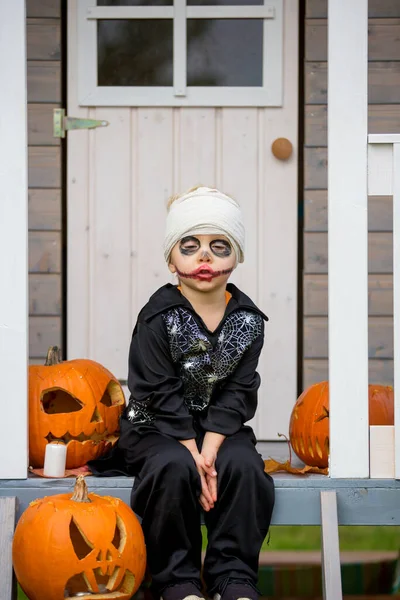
(313, 557)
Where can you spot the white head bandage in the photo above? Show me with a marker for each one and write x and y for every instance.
(205, 211)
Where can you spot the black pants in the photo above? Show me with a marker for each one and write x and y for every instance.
(165, 494)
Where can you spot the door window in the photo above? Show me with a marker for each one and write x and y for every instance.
(180, 53)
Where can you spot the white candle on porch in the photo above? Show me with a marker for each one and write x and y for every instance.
(54, 459)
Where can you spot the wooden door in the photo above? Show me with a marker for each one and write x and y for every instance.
(120, 176)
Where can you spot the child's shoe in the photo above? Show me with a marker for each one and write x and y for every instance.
(237, 591)
(182, 591)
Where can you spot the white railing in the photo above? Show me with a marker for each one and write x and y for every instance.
(13, 242)
(384, 180)
(355, 169)
(348, 237)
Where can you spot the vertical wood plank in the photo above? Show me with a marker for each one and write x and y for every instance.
(13, 240)
(396, 301)
(348, 243)
(197, 148)
(239, 146)
(154, 186)
(239, 179)
(277, 229)
(78, 210)
(110, 241)
(133, 272)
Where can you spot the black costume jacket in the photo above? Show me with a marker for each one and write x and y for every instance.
(184, 378)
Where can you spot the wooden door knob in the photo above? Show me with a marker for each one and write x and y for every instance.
(282, 148)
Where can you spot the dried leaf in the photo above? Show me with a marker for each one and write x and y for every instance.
(272, 466)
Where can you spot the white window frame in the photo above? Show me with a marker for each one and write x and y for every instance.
(269, 94)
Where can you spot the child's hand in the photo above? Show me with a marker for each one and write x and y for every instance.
(210, 456)
(211, 444)
(206, 473)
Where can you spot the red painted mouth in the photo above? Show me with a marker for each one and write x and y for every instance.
(204, 273)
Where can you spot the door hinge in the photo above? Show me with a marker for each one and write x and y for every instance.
(61, 123)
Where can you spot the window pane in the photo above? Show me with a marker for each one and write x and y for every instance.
(135, 52)
(224, 52)
(135, 2)
(225, 2)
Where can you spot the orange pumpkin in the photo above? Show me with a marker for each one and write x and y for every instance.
(65, 546)
(76, 401)
(309, 421)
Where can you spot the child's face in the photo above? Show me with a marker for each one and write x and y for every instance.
(203, 262)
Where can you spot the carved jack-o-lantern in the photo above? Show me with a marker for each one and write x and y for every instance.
(76, 401)
(309, 421)
(87, 546)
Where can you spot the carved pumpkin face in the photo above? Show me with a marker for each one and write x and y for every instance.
(78, 402)
(63, 548)
(309, 421)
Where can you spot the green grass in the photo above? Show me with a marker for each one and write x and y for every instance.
(309, 538)
(350, 538)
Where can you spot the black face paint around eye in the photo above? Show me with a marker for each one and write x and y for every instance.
(221, 248)
(189, 245)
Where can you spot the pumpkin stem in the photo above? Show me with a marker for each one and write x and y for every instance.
(290, 447)
(53, 356)
(80, 490)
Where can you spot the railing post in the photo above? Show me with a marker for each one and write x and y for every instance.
(13, 242)
(396, 303)
(348, 236)
(384, 180)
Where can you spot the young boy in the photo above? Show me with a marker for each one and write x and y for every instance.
(193, 384)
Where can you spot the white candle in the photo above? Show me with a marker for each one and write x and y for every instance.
(54, 459)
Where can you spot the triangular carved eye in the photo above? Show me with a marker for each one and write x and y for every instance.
(96, 416)
(80, 543)
(106, 398)
(119, 538)
(113, 395)
(56, 401)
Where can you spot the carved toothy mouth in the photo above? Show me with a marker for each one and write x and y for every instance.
(79, 587)
(82, 437)
(99, 582)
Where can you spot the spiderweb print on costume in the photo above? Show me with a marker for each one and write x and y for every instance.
(201, 366)
(137, 412)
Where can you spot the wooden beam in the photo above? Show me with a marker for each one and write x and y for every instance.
(8, 513)
(331, 575)
(13, 241)
(298, 499)
(348, 241)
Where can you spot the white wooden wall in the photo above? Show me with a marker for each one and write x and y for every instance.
(119, 179)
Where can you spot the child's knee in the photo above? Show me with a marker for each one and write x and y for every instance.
(177, 466)
(244, 462)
